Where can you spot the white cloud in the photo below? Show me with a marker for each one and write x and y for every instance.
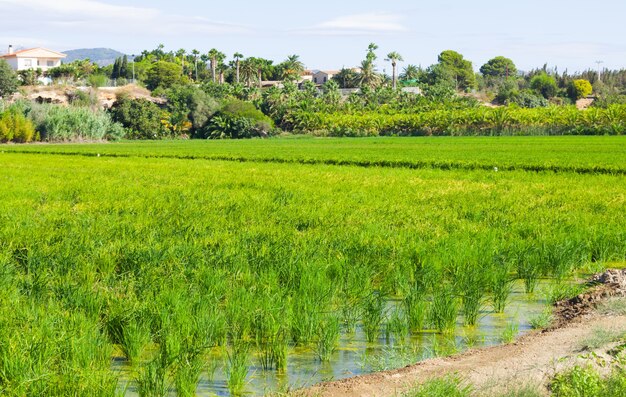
(89, 18)
(359, 24)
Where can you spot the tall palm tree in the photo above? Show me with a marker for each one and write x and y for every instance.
(394, 58)
(237, 57)
(215, 56)
(195, 54)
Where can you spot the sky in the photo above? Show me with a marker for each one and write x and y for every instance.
(331, 34)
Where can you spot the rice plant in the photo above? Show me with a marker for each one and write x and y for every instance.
(327, 338)
(444, 309)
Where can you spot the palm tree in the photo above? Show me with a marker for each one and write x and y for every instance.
(195, 54)
(237, 57)
(248, 71)
(394, 58)
(368, 76)
(215, 57)
(292, 68)
(410, 72)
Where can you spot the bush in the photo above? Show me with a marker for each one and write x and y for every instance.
(189, 104)
(83, 98)
(238, 119)
(544, 85)
(57, 123)
(14, 127)
(8, 79)
(97, 80)
(140, 117)
(578, 89)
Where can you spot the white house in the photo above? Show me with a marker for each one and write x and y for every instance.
(323, 76)
(33, 58)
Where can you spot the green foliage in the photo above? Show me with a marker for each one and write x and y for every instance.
(499, 67)
(56, 123)
(97, 80)
(83, 98)
(473, 121)
(238, 119)
(241, 255)
(441, 387)
(578, 382)
(164, 75)
(141, 118)
(544, 85)
(579, 89)
(14, 127)
(459, 69)
(8, 79)
(191, 104)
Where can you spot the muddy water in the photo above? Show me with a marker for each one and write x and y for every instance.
(355, 356)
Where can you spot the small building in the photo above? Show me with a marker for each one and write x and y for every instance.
(323, 76)
(306, 75)
(33, 58)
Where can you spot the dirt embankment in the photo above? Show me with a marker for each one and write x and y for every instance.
(104, 97)
(531, 361)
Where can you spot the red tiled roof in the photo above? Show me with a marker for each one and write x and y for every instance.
(16, 53)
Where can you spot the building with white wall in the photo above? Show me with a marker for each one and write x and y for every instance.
(33, 58)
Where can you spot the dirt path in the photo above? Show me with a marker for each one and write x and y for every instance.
(532, 360)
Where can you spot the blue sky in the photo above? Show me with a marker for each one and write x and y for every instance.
(330, 34)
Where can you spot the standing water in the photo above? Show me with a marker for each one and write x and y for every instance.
(356, 356)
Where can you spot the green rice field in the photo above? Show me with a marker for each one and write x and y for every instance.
(249, 267)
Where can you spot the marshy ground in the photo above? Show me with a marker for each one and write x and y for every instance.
(587, 331)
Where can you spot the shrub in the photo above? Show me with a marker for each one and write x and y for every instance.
(14, 127)
(579, 89)
(191, 104)
(57, 123)
(544, 84)
(97, 80)
(140, 117)
(238, 119)
(8, 79)
(83, 98)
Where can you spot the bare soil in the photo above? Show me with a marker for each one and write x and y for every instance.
(531, 361)
(105, 96)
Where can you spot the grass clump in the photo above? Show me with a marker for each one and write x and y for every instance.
(542, 320)
(600, 337)
(442, 387)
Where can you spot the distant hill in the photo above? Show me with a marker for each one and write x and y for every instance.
(101, 56)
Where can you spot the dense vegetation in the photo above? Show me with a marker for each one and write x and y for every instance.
(200, 96)
(200, 257)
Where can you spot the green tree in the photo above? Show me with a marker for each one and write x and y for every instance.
(291, 69)
(459, 68)
(410, 72)
(499, 67)
(8, 79)
(368, 77)
(124, 67)
(238, 56)
(544, 84)
(215, 57)
(346, 78)
(164, 74)
(579, 89)
(394, 58)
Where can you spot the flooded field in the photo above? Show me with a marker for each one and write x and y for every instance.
(356, 356)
